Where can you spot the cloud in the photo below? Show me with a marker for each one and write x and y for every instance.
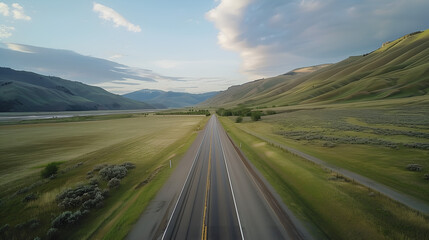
(275, 36)
(5, 31)
(19, 48)
(109, 14)
(116, 56)
(18, 12)
(4, 9)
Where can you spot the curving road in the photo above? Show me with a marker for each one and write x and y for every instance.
(222, 197)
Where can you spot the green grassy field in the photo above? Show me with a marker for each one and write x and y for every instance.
(147, 141)
(376, 142)
(337, 207)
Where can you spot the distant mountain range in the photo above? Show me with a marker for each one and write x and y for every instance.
(169, 99)
(396, 70)
(22, 91)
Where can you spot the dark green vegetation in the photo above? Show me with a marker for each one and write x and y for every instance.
(335, 207)
(189, 112)
(28, 92)
(396, 70)
(110, 169)
(50, 170)
(255, 115)
(162, 99)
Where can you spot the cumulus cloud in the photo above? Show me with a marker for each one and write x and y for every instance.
(4, 9)
(18, 12)
(275, 36)
(5, 31)
(109, 14)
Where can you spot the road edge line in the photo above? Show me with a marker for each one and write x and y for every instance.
(232, 190)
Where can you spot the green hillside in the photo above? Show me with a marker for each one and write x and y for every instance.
(396, 70)
(169, 99)
(26, 91)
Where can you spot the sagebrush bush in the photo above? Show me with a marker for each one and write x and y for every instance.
(113, 171)
(414, 167)
(49, 170)
(114, 183)
(87, 196)
(52, 234)
(30, 197)
(128, 165)
(30, 224)
(66, 218)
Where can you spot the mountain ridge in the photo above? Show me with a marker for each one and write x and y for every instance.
(169, 99)
(397, 69)
(28, 91)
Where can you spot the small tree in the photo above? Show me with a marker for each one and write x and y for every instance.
(256, 116)
(49, 170)
(239, 119)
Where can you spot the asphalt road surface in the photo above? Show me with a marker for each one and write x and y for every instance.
(222, 197)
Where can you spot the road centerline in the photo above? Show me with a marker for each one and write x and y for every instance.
(204, 227)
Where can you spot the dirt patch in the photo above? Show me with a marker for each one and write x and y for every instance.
(269, 153)
(259, 144)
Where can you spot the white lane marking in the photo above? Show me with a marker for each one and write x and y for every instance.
(232, 190)
(180, 195)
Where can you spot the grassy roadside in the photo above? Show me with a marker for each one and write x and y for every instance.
(147, 141)
(340, 209)
(377, 143)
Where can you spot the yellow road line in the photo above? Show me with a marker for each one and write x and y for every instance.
(204, 229)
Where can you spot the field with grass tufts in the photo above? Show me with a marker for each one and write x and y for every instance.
(108, 170)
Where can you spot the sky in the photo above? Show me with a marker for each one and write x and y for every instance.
(210, 44)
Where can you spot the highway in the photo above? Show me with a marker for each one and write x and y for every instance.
(221, 197)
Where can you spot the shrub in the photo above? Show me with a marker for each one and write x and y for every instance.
(87, 196)
(52, 233)
(66, 218)
(271, 112)
(30, 197)
(113, 171)
(4, 229)
(414, 167)
(256, 115)
(30, 224)
(128, 165)
(426, 176)
(239, 119)
(114, 183)
(93, 181)
(49, 170)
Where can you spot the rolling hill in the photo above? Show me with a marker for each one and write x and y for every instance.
(169, 99)
(22, 91)
(396, 70)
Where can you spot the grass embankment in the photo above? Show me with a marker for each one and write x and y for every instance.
(147, 141)
(339, 208)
